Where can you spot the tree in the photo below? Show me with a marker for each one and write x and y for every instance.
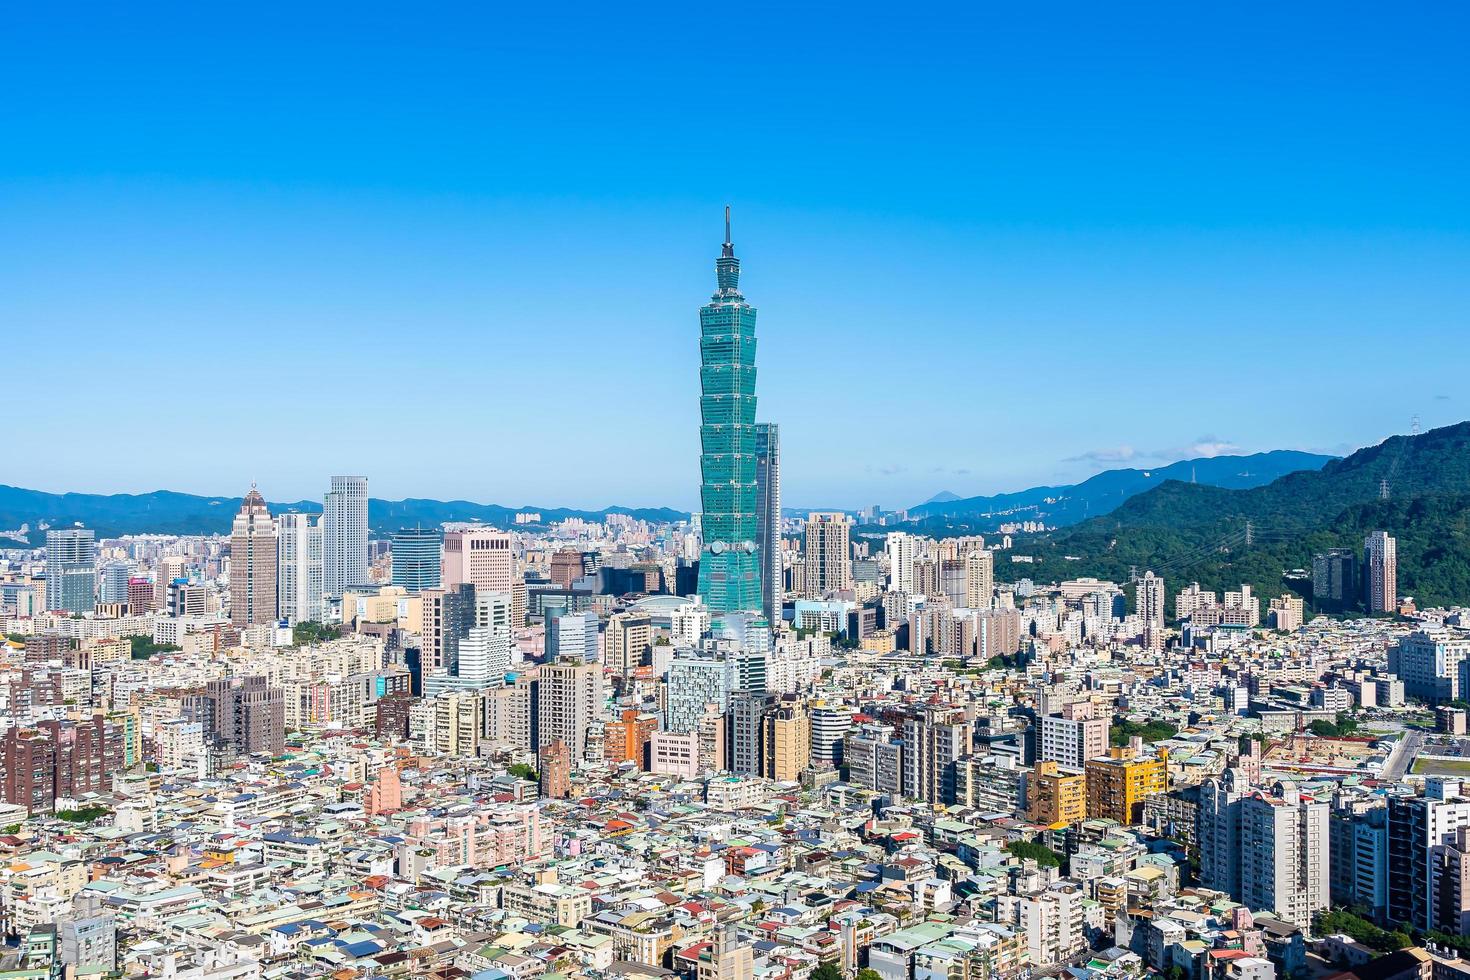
(522, 771)
(867, 974)
(1042, 855)
(827, 971)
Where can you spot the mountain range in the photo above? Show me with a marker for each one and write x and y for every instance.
(1058, 506)
(168, 512)
(1415, 487)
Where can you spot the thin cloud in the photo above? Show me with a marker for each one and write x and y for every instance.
(1441, 398)
(1115, 454)
(1206, 447)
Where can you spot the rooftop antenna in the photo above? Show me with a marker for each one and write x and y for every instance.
(727, 226)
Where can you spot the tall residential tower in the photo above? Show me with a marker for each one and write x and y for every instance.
(729, 563)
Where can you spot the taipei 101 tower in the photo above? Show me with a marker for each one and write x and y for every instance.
(729, 564)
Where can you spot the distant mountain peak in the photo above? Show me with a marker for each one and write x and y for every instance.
(943, 497)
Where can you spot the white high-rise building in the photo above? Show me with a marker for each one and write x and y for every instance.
(979, 578)
(1283, 854)
(903, 551)
(1380, 573)
(345, 535)
(299, 567)
(1071, 742)
(573, 636)
(688, 623)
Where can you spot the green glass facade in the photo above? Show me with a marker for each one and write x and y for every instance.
(729, 565)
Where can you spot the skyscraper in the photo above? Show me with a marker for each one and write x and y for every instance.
(416, 555)
(903, 551)
(979, 578)
(345, 535)
(828, 558)
(768, 516)
(112, 581)
(481, 556)
(253, 555)
(1150, 600)
(299, 567)
(729, 563)
(1380, 573)
(71, 570)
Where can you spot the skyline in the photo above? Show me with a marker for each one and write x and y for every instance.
(956, 257)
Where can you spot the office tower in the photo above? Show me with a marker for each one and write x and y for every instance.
(112, 582)
(416, 553)
(71, 570)
(1380, 573)
(569, 703)
(345, 535)
(730, 572)
(1118, 783)
(168, 570)
(830, 724)
(786, 739)
(933, 742)
(572, 636)
(768, 518)
(1070, 742)
(629, 642)
(245, 713)
(903, 550)
(446, 618)
(979, 578)
(299, 567)
(480, 556)
(1335, 579)
(253, 563)
(484, 654)
(566, 567)
(140, 596)
(1055, 797)
(828, 562)
(1284, 847)
(556, 770)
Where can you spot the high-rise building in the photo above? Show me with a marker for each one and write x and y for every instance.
(933, 742)
(140, 596)
(485, 650)
(569, 702)
(566, 567)
(71, 570)
(979, 578)
(874, 758)
(786, 737)
(480, 556)
(1420, 828)
(628, 738)
(1283, 851)
(345, 535)
(1071, 741)
(245, 713)
(629, 642)
(903, 551)
(1380, 573)
(730, 571)
(1150, 601)
(299, 567)
(253, 556)
(831, 721)
(743, 731)
(572, 636)
(446, 617)
(112, 582)
(1335, 579)
(556, 770)
(1056, 797)
(1118, 783)
(416, 553)
(828, 554)
(1429, 662)
(768, 517)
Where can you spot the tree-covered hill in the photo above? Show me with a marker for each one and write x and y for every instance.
(1220, 538)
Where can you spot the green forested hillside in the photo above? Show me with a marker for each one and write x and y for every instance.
(1221, 538)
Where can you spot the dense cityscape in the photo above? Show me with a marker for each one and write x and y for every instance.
(745, 743)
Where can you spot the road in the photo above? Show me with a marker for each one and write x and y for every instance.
(1403, 754)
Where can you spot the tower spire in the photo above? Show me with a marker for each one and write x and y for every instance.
(729, 248)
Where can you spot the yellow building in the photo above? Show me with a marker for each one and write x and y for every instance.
(1118, 783)
(1056, 797)
(787, 733)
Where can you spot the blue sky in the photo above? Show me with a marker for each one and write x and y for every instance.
(462, 248)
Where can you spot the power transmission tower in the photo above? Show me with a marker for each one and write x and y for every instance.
(1414, 426)
(1250, 534)
(1382, 489)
